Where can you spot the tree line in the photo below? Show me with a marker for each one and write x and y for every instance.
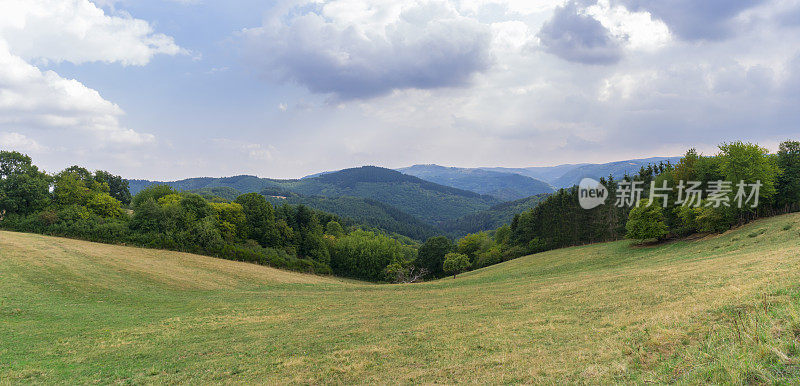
(97, 206)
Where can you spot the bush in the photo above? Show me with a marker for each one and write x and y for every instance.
(646, 223)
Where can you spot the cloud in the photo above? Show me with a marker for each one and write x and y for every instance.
(19, 142)
(366, 49)
(43, 100)
(573, 35)
(77, 31)
(39, 109)
(693, 19)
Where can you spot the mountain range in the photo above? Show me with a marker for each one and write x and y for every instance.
(418, 200)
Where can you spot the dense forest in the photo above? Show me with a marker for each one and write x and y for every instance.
(492, 218)
(427, 201)
(264, 228)
(503, 186)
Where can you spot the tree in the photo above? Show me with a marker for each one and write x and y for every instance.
(104, 205)
(749, 163)
(117, 186)
(152, 192)
(23, 188)
(231, 221)
(455, 263)
(474, 244)
(788, 184)
(196, 207)
(334, 229)
(260, 215)
(431, 254)
(646, 222)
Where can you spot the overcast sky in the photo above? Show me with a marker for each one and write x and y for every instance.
(168, 89)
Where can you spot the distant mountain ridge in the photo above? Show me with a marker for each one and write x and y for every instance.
(564, 176)
(504, 186)
(430, 202)
(415, 200)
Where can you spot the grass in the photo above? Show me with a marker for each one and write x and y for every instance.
(720, 309)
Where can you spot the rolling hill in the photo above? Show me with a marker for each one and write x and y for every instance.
(425, 200)
(365, 211)
(491, 218)
(243, 183)
(722, 309)
(504, 186)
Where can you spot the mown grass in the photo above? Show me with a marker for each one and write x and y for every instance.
(720, 309)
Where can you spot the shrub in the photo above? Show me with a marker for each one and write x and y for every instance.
(646, 222)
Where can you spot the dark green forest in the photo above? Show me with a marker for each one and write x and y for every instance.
(427, 201)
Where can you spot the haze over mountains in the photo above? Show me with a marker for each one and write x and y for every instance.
(416, 201)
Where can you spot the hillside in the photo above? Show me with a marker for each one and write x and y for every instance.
(504, 186)
(491, 218)
(722, 309)
(427, 201)
(367, 212)
(430, 202)
(243, 183)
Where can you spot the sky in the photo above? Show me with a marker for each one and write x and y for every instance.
(170, 89)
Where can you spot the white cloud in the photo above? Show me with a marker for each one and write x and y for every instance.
(637, 29)
(77, 31)
(19, 142)
(39, 109)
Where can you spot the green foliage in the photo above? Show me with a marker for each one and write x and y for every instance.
(23, 188)
(739, 161)
(231, 221)
(117, 186)
(492, 218)
(364, 211)
(261, 222)
(366, 255)
(455, 263)
(473, 245)
(104, 205)
(788, 184)
(217, 193)
(431, 254)
(646, 222)
(153, 192)
(334, 229)
(559, 221)
(427, 201)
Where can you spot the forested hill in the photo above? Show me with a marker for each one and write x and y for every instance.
(427, 201)
(243, 183)
(365, 211)
(504, 186)
(492, 218)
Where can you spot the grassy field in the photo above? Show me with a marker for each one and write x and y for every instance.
(723, 308)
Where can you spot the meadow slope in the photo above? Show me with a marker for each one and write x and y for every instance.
(723, 308)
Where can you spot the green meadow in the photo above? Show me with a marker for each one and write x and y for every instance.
(722, 308)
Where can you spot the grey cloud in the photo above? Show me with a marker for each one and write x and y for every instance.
(695, 19)
(579, 38)
(427, 48)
